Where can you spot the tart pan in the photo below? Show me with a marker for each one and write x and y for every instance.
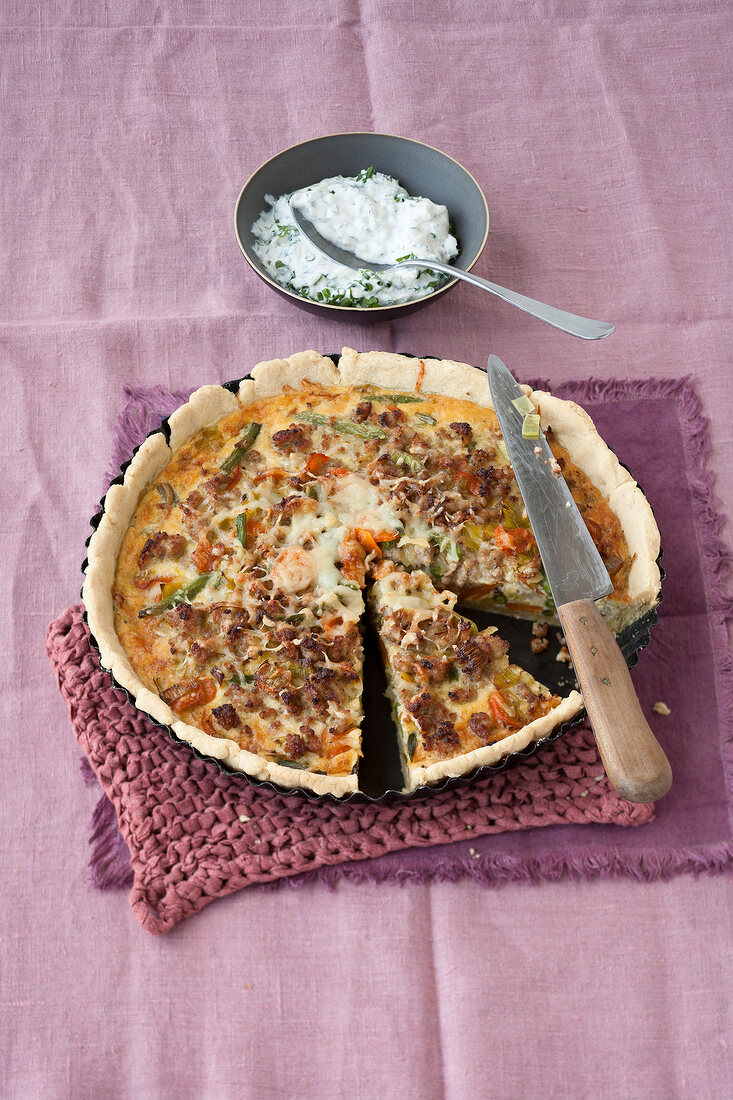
(380, 774)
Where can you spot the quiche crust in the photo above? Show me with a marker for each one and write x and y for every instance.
(571, 426)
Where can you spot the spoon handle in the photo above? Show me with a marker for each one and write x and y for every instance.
(571, 323)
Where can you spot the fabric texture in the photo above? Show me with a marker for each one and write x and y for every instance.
(599, 132)
(187, 847)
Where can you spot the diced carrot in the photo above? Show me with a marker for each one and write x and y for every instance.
(517, 541)
(316, 462)
(499, 711)
(207, 724)
(203, 691)
(145, 582)
(367, 540)
(385, 536)
(336, 748)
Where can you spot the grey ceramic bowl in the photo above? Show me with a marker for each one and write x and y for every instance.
(421, 169)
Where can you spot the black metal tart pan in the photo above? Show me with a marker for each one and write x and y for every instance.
(379, 773)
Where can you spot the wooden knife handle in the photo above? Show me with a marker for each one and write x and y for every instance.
(634, 760)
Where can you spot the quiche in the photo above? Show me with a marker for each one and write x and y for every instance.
(228, 578)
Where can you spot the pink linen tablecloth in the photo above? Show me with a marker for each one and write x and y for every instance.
(601, 136)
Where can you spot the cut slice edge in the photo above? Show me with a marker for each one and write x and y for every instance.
(458, 703)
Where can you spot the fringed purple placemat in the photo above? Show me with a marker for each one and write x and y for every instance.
(688, 666)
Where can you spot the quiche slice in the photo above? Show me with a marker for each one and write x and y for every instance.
(458, 702)
(225, 580)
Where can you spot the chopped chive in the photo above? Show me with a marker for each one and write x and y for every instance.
(426, 418)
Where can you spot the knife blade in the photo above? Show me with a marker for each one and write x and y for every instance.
(635, 762)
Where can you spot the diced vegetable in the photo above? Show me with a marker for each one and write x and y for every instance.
(519, 540)
(499, 709)
(523, 404)
(242, 446)
(167, 493)
(401, 458)
(508, 677)
(242, 678)
(549, 608)
(181, 595)
(426, 418)
(396, 398)
(473, 535)
(316, 463)
(242, 528)
(346, 427)
(447, 546)
(411, 745)
(511, 518)
(531, 426)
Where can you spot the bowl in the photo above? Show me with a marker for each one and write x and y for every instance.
(420, 168)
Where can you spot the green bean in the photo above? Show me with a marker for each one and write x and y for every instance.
(242, 446)
(396, 398)
(346, 427)
(183, 595)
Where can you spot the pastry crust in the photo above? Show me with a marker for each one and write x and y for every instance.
(492, 754)
(571, 425)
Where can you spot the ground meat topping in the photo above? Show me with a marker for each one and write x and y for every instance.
(226, 716)
(483, 727)
(462, 429)
(480, 651)
(391, 417)
(294, 438)
(161, 546)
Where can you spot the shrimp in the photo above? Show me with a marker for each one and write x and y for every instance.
(353, 556)
(294, 569)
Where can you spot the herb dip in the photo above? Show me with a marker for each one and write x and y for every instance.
(371, 215)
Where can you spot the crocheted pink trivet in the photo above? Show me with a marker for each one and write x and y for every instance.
(195, 834)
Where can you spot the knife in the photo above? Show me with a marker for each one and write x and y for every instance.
(634, 760)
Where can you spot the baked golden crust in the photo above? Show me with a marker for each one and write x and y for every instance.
(255, 665)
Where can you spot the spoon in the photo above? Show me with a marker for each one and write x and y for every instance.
(582, 327)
